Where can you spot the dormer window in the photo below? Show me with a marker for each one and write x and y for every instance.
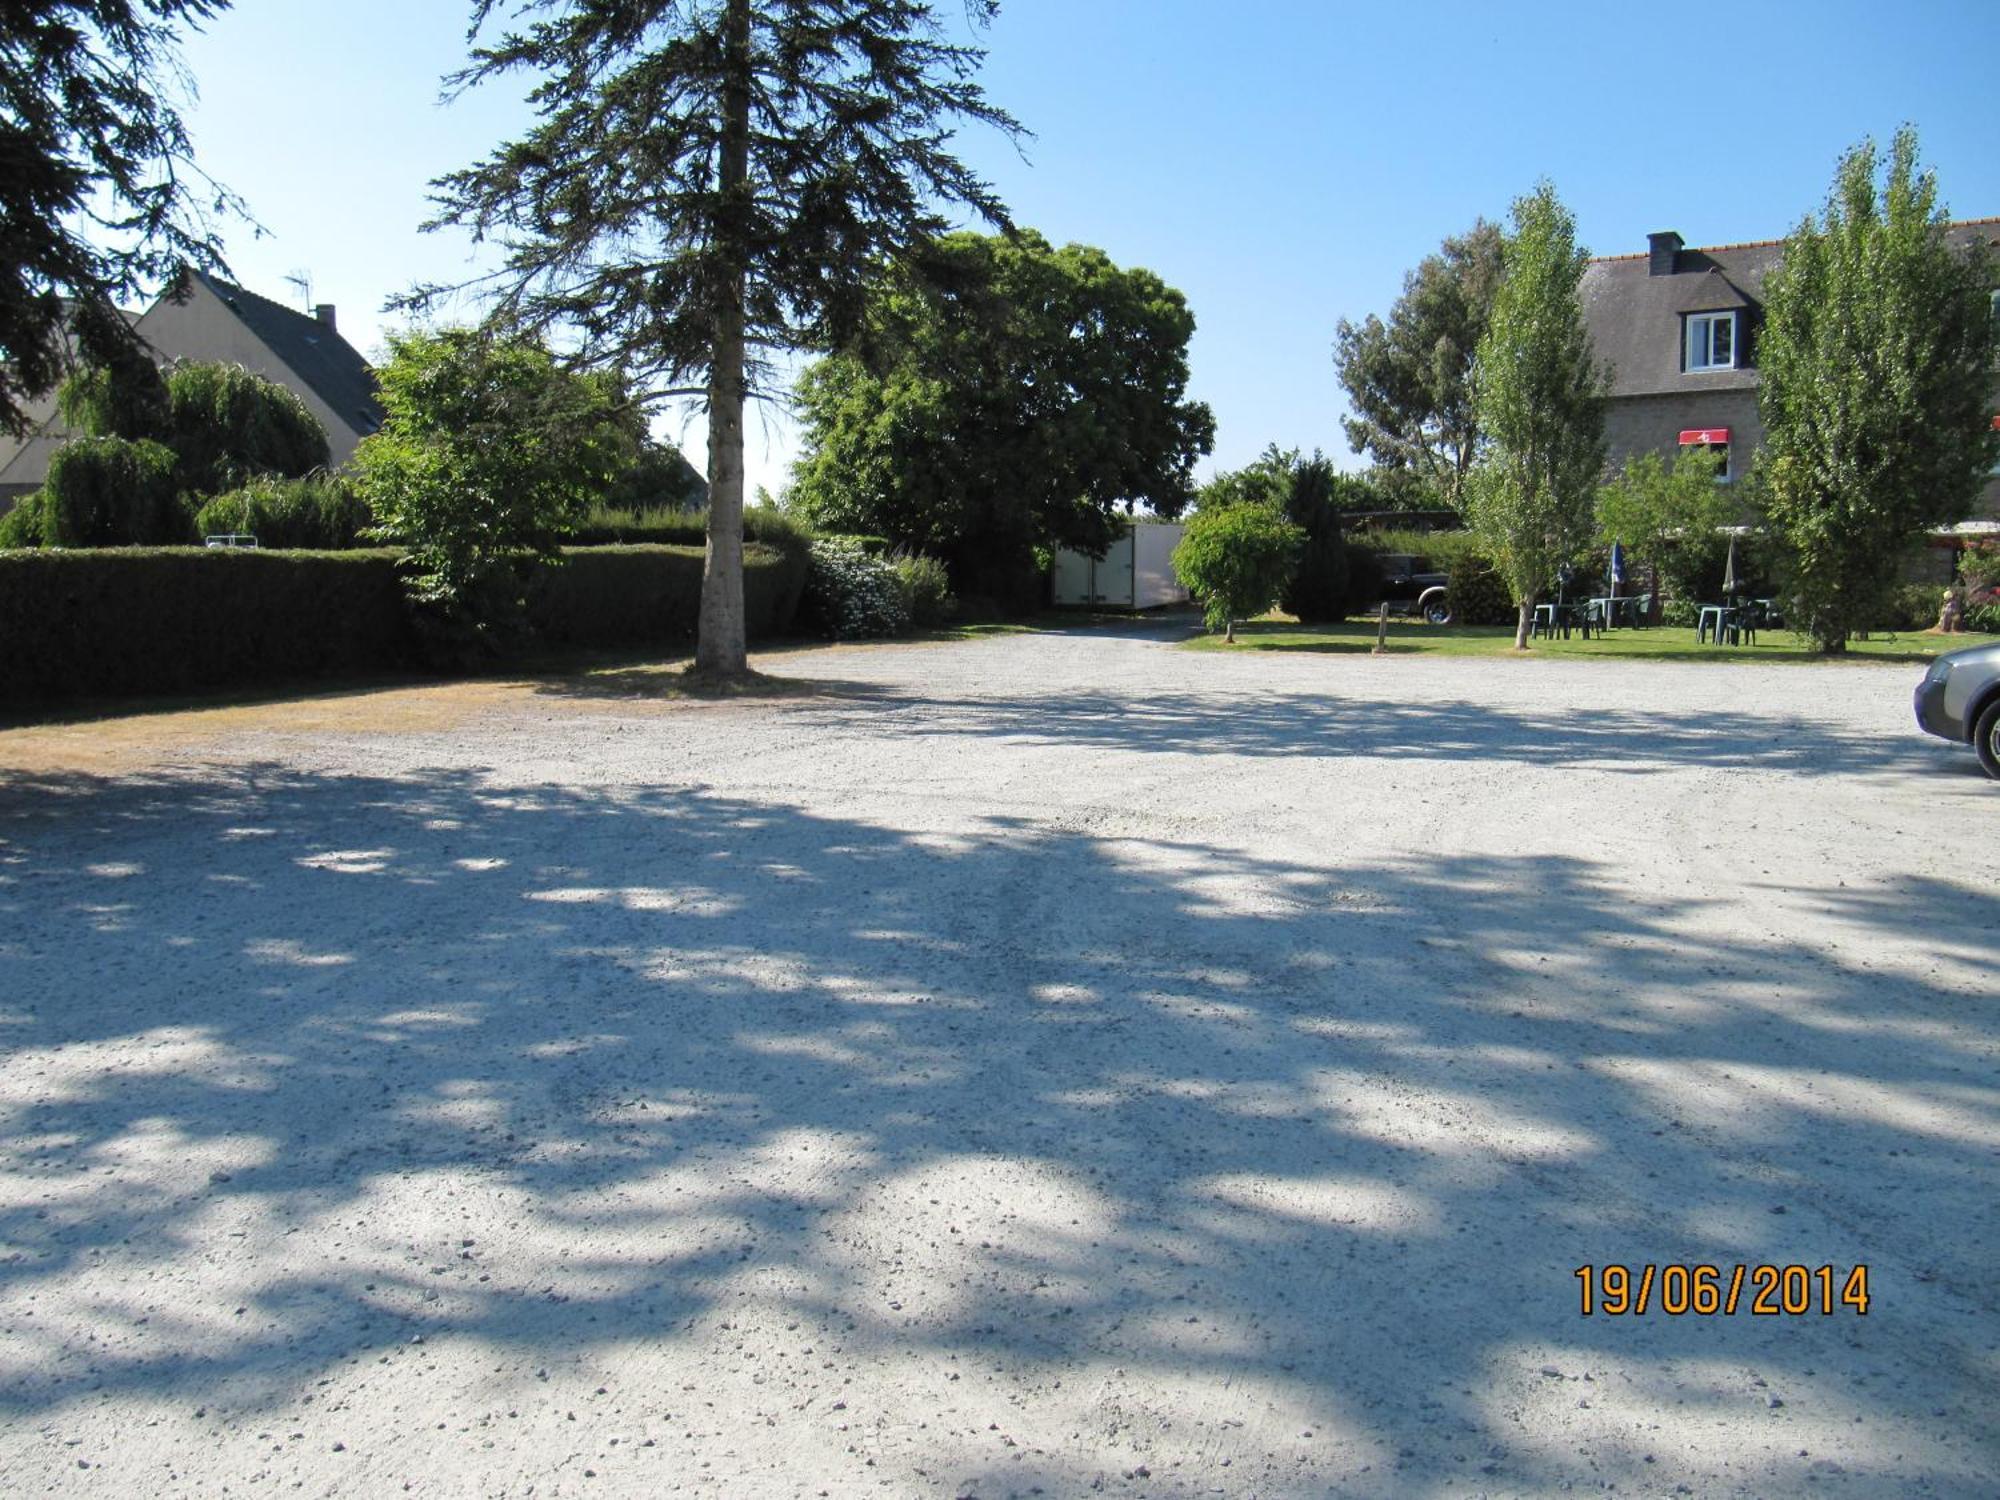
(1711, 341)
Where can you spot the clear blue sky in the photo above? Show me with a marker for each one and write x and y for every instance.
(1282, 162)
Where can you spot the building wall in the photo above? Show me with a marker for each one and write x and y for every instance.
(1637, 424)
(1640, 424)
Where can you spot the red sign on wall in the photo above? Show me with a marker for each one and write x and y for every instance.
(1713, 436)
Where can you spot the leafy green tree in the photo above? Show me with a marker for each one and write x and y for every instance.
(1539, 399)
(710, 181)
(1266, 480)
(1311, 495)
(1876, 355)
(489, 452)
(1237, 560)
(1409, 380)
(1017, 397)
(1670, 516)
(99, 192)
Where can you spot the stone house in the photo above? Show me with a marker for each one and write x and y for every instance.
(216, 321)
(1678, 328)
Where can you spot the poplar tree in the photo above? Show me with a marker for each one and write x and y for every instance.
(1877, 389)
(100, 196)
(710, 183)
(1539, 400)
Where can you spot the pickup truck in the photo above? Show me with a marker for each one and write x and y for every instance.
(1410, 585)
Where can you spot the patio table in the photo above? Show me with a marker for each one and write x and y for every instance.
(1616, 610)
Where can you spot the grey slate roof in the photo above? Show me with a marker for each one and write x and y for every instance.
(1634, 317)
(324, 360)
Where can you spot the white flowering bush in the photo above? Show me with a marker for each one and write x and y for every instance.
(852, 596)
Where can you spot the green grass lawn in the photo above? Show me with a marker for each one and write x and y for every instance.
(1659, 643)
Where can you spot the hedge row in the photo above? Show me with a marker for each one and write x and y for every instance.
(133, 620)
(648, 595)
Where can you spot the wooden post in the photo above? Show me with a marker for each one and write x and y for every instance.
(1382, 630)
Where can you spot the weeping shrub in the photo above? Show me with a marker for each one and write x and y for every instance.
(228, 425)
(22, 526)
(108, 492)
(320, 511)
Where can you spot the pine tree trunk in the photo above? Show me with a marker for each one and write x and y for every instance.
(1524, 624)
(720, 647)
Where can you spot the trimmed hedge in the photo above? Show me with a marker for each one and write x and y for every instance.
(114, 620)
(641, 595)
(605, 527)
(162, 620)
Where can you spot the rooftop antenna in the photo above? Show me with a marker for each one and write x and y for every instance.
(301, 281)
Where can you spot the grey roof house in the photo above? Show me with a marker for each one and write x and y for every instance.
(218, 321)
(1678, 328)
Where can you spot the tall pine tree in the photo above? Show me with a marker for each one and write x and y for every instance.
(100, 197)
(710, 182)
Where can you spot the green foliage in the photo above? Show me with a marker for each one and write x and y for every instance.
(319, 512)
(99, 193)
(1876, 360)
(1409, 381)
(22, 526)
(713, 179)
(1539, 401)
(224, 424)
(131, 620)
(1267, 481)
(927, 587)
(1478, 592)
(653, 476)
(146, 621)
(1020, 396)
(1309, 494)
(108, 492)
(610, 596)
(125, 397)
(602, 526)
(227, 425)
(490, 451)
(851, 594)
(1237, 560)
(1319, 589)
(1670, 516)
(1911, 606)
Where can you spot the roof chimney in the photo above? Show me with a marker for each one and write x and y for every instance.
(1664, 247)
(324, 312)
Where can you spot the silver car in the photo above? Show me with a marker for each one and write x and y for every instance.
(1959, 699)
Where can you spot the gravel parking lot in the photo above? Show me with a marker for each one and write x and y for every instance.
(1053, 1064)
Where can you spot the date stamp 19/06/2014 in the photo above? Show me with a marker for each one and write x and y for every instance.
(1710, 1291)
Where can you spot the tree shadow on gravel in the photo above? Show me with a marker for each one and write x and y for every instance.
(1301, 724)
(1291, 1130)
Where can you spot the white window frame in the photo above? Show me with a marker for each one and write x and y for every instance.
(1705, 323)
